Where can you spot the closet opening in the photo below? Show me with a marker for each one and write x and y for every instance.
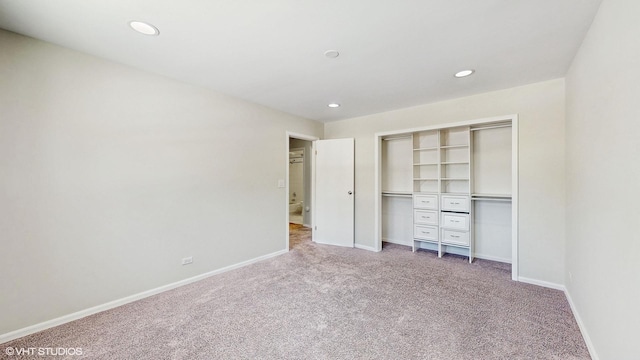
(450, 189)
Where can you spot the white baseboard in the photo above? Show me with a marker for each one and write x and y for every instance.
(492, 258)
(576, 315)
(542, 283)
(392, 241)
(112, 304)
(583, 329)
(364, 247)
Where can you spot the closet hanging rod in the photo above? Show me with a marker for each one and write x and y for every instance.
(490, 127)
(490, 199)
(397, 138)
(397, 195)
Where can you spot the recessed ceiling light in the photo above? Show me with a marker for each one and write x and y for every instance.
(333, 105)
(464, 73)
(144, 28)
(332, 54)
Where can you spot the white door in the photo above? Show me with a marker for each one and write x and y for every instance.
(334, 192)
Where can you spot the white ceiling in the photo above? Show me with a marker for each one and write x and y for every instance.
(393, 54)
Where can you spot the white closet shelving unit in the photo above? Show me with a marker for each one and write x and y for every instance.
(455, 190)
(458, 198)
(442, 189)
(426, 182)
(426, 169)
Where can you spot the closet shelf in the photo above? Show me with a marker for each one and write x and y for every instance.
(454, 146)
(397, 138)
(426, 241)
(496, 126)
(454, 163)
(455, 179)
(423, 164)
(426, 148)
(425, 179)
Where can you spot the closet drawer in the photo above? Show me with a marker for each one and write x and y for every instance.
(455, 221)
(425, 232)
(425, 202)
(425, 217)
(455, 203)
(453, 237)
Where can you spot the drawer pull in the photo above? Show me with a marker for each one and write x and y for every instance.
(455, 236)
(455, 203)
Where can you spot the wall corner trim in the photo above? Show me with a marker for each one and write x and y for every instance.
(574, 310)
(119, 302)
(581, 326)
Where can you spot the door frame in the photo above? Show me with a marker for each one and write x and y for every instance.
(514, 178)
(312, 139)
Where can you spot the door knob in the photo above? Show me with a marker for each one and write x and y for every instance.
(350, 192)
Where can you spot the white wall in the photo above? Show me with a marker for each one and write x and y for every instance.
(542, 192)
(110, 175)
(603, 181)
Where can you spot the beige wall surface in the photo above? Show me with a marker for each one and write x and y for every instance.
(603, 181)
(110, 175)
(540, 108)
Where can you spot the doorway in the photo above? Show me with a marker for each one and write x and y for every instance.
(299, 183)
(328, 208)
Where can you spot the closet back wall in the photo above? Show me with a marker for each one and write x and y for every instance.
(492, 175)
(111, 175)
(396, 175)
(540, 108)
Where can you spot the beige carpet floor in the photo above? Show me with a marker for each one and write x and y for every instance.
(325, 302)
